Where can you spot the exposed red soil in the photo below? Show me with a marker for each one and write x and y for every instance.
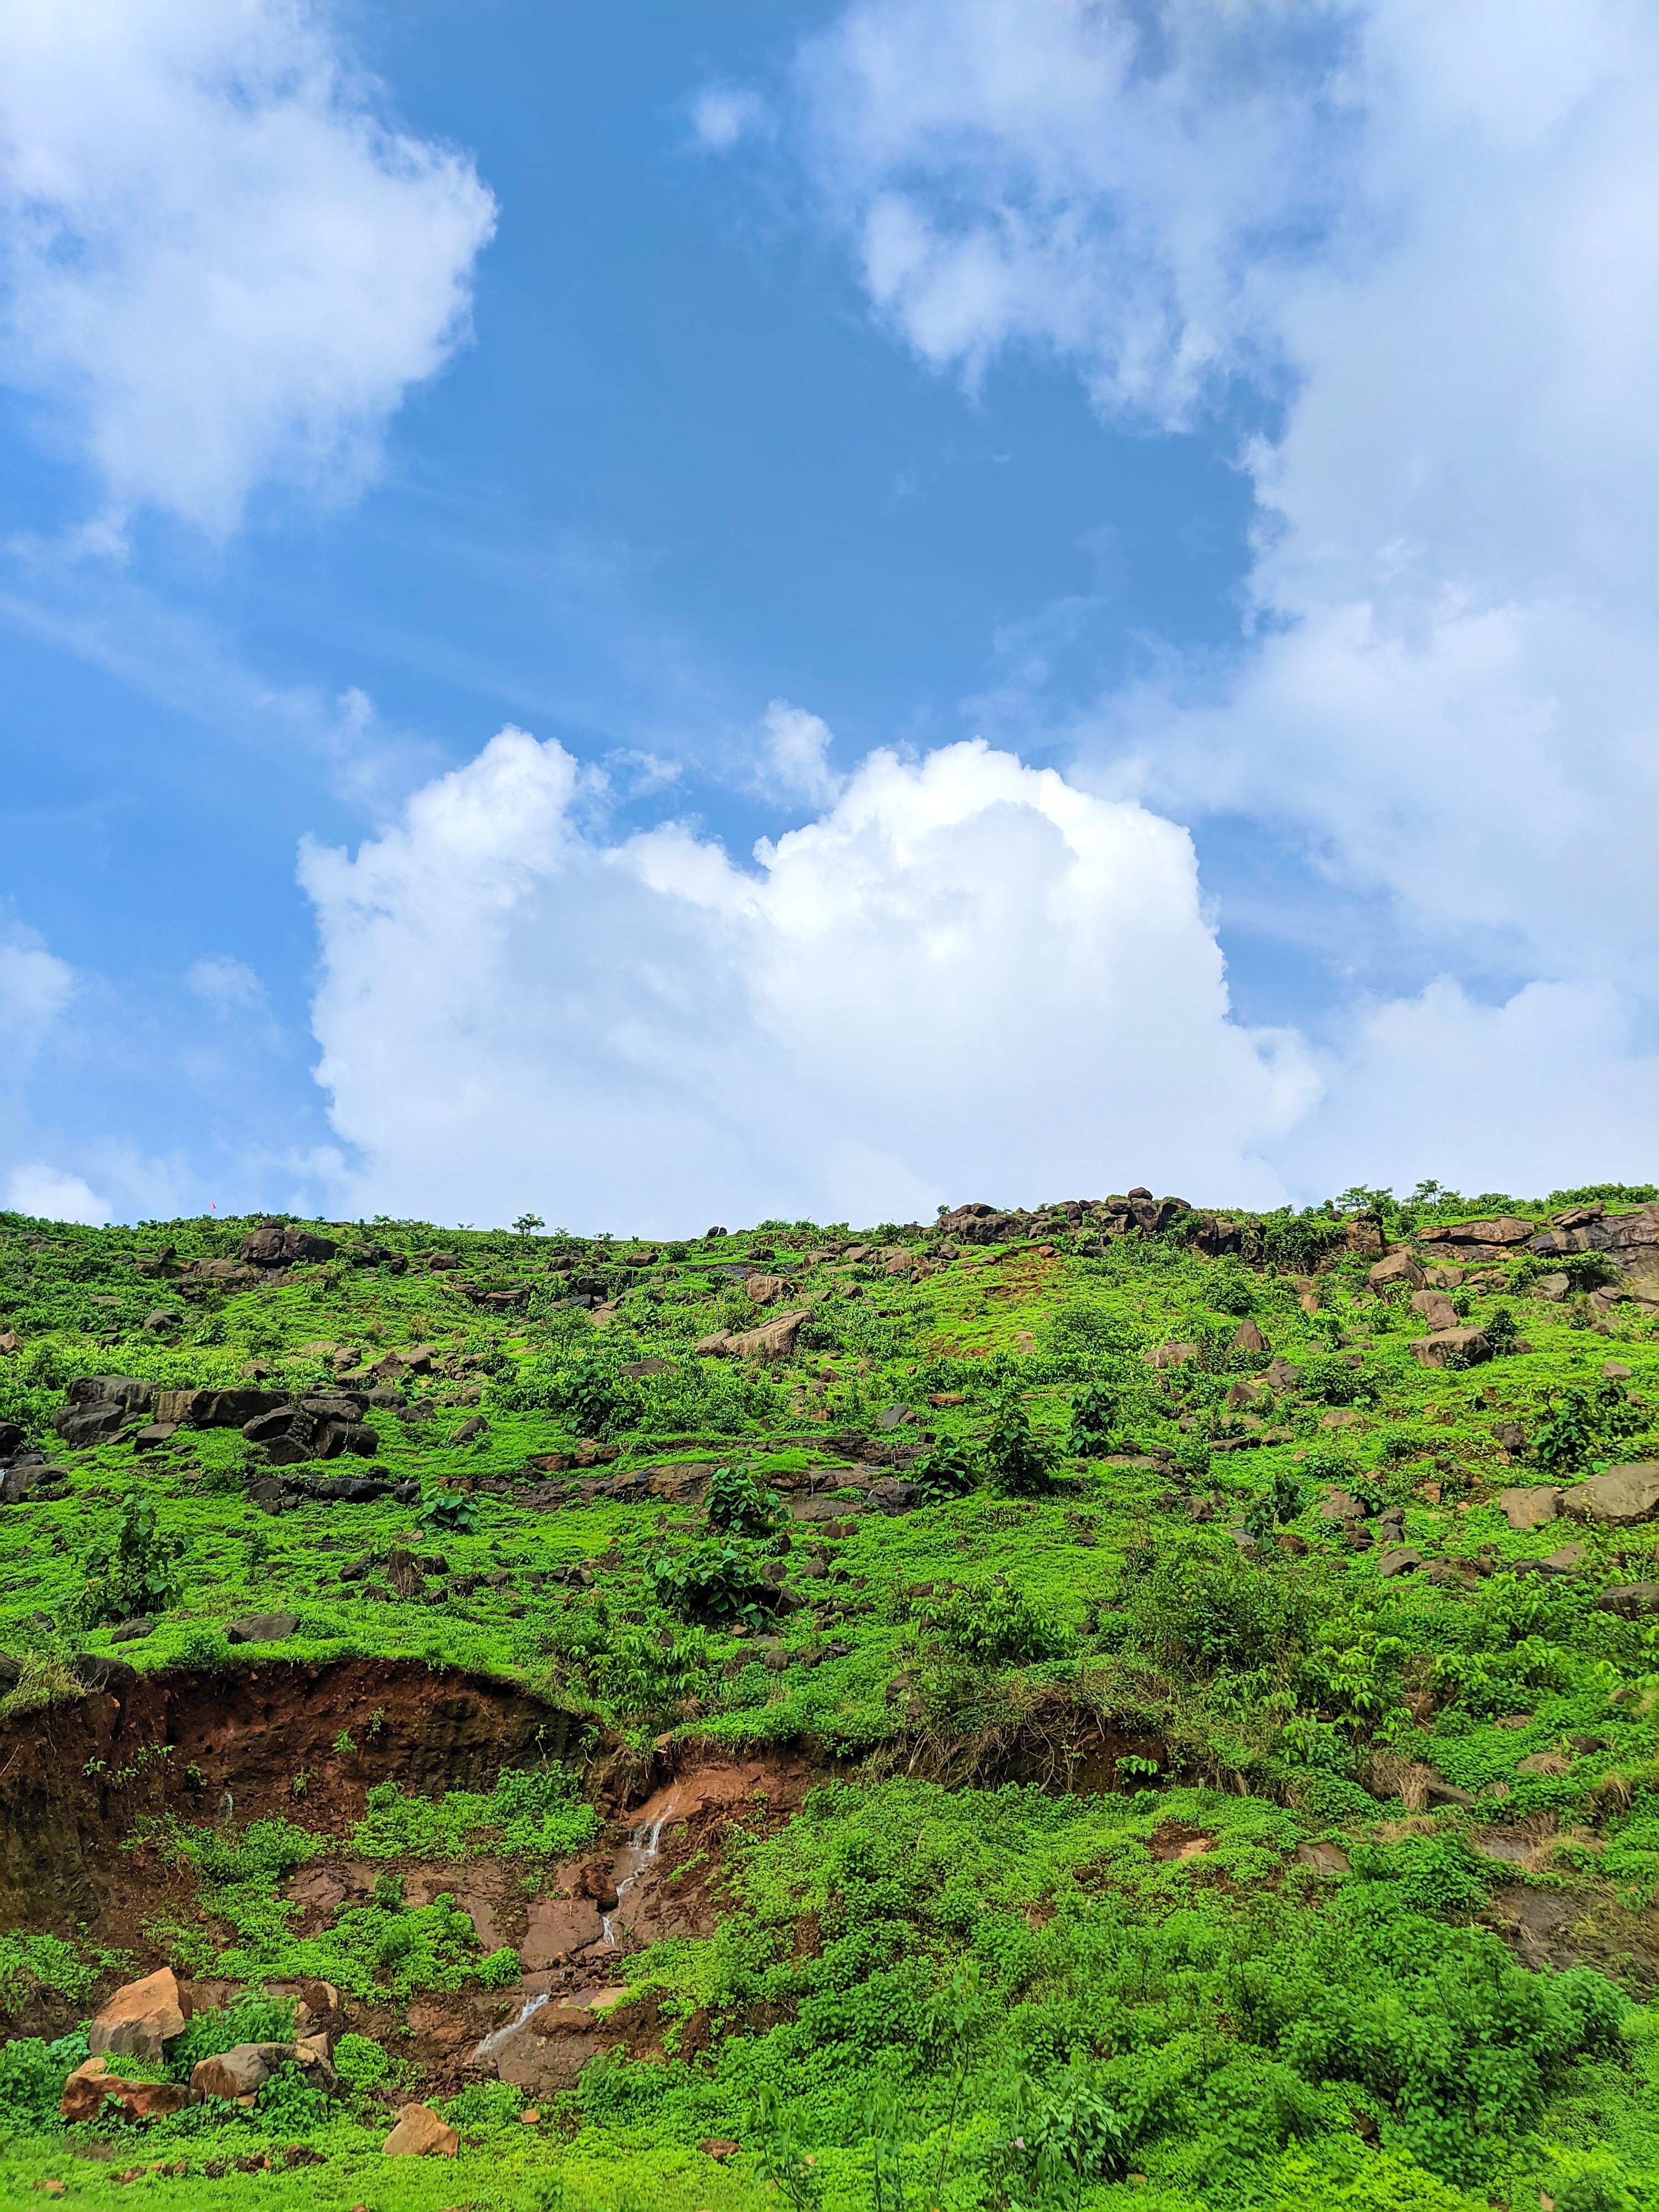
(74, 1778)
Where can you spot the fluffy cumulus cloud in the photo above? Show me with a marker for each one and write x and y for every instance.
(47, 1194)
(964, 975)
(220, 264)
(1425, 232)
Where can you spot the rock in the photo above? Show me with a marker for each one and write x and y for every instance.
(93, 2087)
(130, 1631)
(1280, 1374)
(1436, 1308)
(154, 1435)
(1323, 1858)
(1621, 1496)
(1172, 1355)
(140, 2018)
(420, 2134)
(283, 1244)
(1463, 1347)
(1239, 1395)
(637, 1370)
(81, 1426)
(1615, 1371)
(1551, 1287)
(11, 1439)
(1398, 1267)
(1341, 1505)
(1630, 1600)
(1547, 1763)
(1506, 1230)
(472, 1431)
(1508, 1436)
(1340, 1416)
(242, 2071)
(262, 1628)
(1532, 1507)
(763, 1289)
(894, 1495)
(287, 1434)
(1566, 1560)
(1398, 1559)
(774, 1340)
(1247, 1337)
(719, 2148)
(893, 1417)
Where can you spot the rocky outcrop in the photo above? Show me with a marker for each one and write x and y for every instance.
(1451, 1348)
(283, 1244)
(140, 2020)
(1621, 1496)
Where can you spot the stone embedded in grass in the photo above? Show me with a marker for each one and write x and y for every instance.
(1451, 1348)
(262, 1628)
(1621, 1496)
(420, 2134)
(1534, 1507)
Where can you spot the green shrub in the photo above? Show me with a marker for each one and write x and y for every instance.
(944, 1473)
(738, 1506)
(483, 2105)
(1017, 1463)
(32, 2076)
(251, 2018)
(993, 1623)
(361, 2063)
(136, 1572)
(717, 1581)
(1094, 1422)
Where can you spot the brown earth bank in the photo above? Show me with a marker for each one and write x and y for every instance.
(75, 1776)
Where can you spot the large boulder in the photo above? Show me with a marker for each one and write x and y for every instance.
(127, 1391)
(1399, 1267)
(1534, 1507)
(1451, 1348)
(140, 2018)
(92, 2087)
(283, 1244)
(1436, 1308)
(764, 1289)
(288, 1434)
(420, 2134)
(1172, 1355)
(242, 2071)
(1621, 1496)
(774, 1340)
(1629, 1241)
(1247, 1337)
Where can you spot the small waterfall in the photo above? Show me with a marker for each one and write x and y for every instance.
(493, 2042)
(631, 1861)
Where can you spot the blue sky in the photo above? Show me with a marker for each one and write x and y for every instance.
(757, 407)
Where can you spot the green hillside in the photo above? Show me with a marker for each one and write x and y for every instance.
(1122, 1704)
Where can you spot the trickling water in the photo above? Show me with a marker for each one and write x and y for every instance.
(631, 1861)
(493, 2042)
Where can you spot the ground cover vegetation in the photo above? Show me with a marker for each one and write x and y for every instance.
(1117, 1705)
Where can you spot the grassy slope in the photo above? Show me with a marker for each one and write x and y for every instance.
(1221, 2020)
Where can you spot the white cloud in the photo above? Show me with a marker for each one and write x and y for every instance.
(48, 1194)
(225, 983)
(221, 266)
(1425, 233)
(965, 975)
(35, 988)
(795, 753)
(723, 114)
(1548, 1090)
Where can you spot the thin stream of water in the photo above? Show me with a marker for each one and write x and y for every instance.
(631, 1861)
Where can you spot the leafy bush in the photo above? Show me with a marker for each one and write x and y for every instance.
(28, 1963)
(944, 1473)
(448, 1513)
(532, 1810)
(1017, 1464)
(361, 2063)
(737, 1505)
(138, 1572)
(1582, 1424)
(716, 1581)
(1094, 1422)
(595, 1399)
(483, 2105)
(994, 1625)
(251, 2018)
(1330, 1380)
(32, 2076)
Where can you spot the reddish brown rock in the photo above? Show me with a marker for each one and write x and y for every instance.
(420, 2134)
(140, 2018)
